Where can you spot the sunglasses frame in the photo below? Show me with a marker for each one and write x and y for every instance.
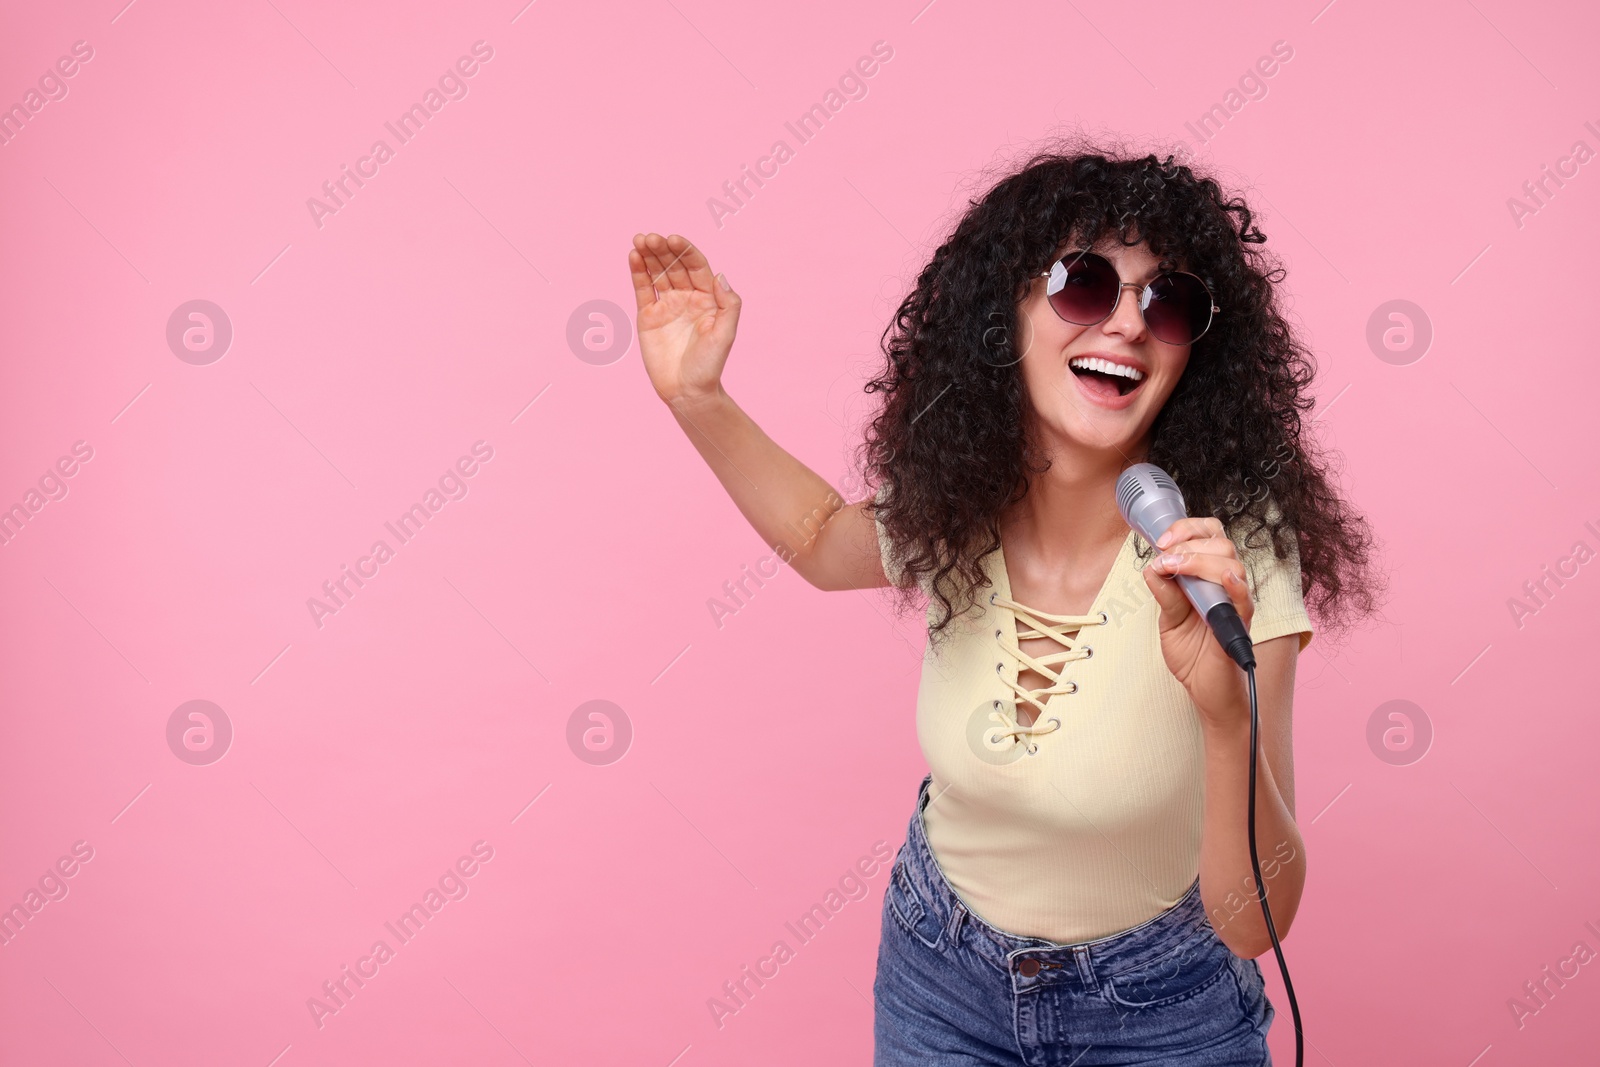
(1144, 294)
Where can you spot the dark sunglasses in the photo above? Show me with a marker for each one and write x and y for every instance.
(1084, 289)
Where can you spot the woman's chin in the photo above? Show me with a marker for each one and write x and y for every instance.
(1096, 432)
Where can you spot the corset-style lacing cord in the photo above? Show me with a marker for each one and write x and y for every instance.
(1039, 625)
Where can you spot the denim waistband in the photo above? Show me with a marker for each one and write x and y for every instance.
(1087, 961)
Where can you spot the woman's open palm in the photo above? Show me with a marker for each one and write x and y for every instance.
(686, 317)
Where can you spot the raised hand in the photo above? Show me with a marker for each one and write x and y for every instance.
(686, 316)
(1199, 546)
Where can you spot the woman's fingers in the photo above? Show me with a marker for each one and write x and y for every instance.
(653, 247)
(644, 290)
(1225, 570)
(671, 262)
(1211, 546)
(666, 264)
(653, 266)
(1190, 528)
(677, 274)
(698, 268)
(1212, 566)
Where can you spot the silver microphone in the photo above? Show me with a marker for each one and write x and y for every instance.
(1150, 502)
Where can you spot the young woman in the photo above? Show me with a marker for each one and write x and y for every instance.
(1075, 886)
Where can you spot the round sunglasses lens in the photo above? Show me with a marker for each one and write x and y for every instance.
(1088, 288)
(1179, 310)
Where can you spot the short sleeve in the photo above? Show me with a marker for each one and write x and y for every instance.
(891, 561)
(1275, 587)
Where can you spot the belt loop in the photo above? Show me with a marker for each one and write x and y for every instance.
(1080, 953)
(958, 915)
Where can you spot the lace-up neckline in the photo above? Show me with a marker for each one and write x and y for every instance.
(1040, 624)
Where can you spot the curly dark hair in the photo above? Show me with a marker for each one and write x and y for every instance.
(949, 446)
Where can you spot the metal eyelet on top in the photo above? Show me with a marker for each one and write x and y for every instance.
(997, 633)
(999, 668)
(1104, 618)
(992, 596)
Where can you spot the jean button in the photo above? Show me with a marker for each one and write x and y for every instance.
(1028, 968)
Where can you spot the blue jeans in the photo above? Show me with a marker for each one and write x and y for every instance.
(953, 990)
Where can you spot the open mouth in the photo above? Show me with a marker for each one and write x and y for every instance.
(1105, 379)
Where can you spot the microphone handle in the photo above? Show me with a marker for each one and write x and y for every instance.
(1202, 594)
(1212, 602)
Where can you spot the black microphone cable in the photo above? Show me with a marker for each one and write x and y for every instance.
(1255, 865)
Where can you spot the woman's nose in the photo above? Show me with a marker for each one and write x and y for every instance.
(1127, 316)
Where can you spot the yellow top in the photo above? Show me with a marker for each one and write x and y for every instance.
(1088, 821)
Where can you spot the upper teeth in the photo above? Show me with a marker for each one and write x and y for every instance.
(1105, 366)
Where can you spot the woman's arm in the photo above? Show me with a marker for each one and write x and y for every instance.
(687, 318)
(831, 544)
(1227, 882)
(1200, 546)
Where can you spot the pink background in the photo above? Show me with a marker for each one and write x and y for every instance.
(770, 753)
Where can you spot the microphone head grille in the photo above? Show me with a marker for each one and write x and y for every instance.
(1129, 490)
(1141, 480)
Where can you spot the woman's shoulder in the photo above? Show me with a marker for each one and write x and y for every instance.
(962, 601)
(1270, 553)
(893, 568)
